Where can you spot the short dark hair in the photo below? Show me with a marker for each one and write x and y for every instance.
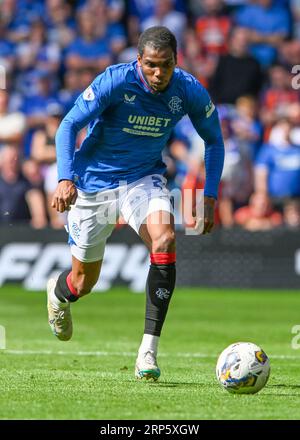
(158, 37)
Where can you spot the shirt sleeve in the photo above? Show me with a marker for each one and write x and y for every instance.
(204, 117)
(88, 106)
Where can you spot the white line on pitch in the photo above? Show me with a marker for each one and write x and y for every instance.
(124, 353)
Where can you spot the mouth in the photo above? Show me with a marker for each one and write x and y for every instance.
(157, 84)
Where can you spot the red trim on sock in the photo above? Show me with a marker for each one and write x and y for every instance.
(163, 258)
(70, 285)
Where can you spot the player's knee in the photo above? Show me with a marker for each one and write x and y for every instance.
(165, 243)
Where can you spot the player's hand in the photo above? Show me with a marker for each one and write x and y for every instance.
(65, 195)
(205, 223)
(209, 214)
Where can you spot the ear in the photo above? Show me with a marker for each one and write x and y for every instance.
(139, 60)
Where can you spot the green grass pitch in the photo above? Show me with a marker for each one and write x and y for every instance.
(91, 376)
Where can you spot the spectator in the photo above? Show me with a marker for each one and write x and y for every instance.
(75, 81)
(60, 23)
(24, 202)
(277, 97)
(237, 73)
(268, 24)
(295, 7)
(17, 24)
(88, 50)
(277, 170)
(194, 59)
(185, 167)
(165, 15)
(19, 15)
(293, 116)
(12, 125)
(246, 125)
(236, 181)
(52, 49)
(7, 49)
(36, 52)
(258, 215)
(291, 214)
(35, 106)
(129, 53)
(289, 54)
(186, 150)
(44, 153)
(141, 10)
(43, 142)
(8, 10)
(213, 27)
(86, 76)
(71, 89)
(109, 23)
(31, 171)
(115, 10)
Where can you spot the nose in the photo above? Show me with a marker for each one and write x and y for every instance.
(159, 73)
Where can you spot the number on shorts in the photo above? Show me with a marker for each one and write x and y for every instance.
(157, 183)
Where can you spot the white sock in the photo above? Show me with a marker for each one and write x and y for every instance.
(149, 343)
(56, 301)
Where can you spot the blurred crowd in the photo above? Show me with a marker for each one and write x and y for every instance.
(245, 52)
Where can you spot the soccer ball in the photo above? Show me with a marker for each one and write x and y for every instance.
(243, 368)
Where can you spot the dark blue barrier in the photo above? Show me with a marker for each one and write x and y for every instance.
(226, 258)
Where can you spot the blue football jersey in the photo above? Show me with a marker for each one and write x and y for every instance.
(128, 127)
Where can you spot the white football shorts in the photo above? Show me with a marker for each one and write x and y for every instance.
(93, 217)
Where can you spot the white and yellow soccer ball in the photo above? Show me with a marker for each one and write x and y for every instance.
(243, 368)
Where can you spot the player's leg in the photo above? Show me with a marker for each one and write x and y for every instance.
(72, 285)
(88, 232)
(147, 208)
(159, 236)
(66, 289)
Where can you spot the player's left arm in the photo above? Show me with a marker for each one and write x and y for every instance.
(66, 192)
(204, 117)
(88, 106)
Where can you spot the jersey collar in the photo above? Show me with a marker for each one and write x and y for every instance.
(143, 80)
(144, 83)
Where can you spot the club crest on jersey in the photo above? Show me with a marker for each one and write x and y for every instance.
(175, 104)
(129, 99)
(88, 94)
(76, 229)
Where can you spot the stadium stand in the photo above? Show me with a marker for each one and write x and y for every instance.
(244, 52)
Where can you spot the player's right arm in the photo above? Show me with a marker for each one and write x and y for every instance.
(90, 104)
(204, 117)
